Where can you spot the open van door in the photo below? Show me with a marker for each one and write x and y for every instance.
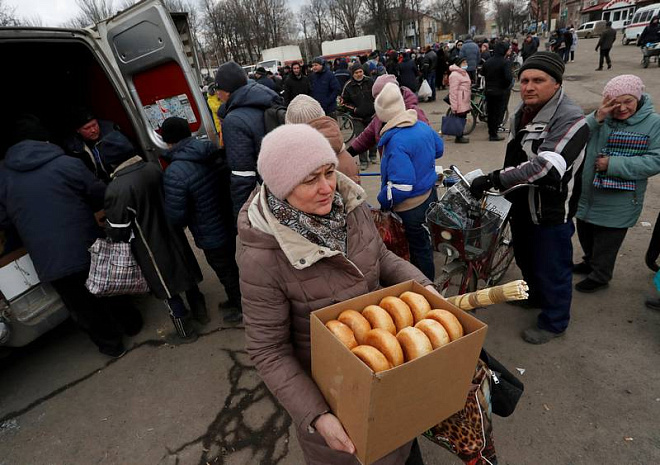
(144, 45)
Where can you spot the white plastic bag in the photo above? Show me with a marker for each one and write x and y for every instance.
(424, 91)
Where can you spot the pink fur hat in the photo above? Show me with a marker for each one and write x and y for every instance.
(626, 84)
(289, 154)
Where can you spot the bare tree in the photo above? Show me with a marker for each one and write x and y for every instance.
(8, 15)
(91, 12)
(347, 13)
(444, 11)
(510, 15)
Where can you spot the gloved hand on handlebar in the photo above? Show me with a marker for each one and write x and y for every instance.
(483, 183)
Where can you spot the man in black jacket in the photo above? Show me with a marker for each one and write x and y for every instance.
(497, 71)
(50, 198)
(358, 99)
(296, 84)
(196, 194)
(607, 39)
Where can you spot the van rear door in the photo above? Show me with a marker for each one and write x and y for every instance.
(144, 45)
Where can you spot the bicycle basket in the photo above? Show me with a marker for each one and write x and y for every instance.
(460, 220)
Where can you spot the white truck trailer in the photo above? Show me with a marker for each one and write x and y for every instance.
(355, 46)
(274, 58)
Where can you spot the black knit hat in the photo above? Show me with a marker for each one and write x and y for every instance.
(548, 62)
(174, 129)
(319, 60)
(230, 77)
(80, 116)
(29, 127)
(354, 67)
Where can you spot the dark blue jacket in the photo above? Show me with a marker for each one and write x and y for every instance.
(266, 81)
(470, 51)
(408, 165)
(50, 198)
(242, 130)
(193, 188)
(325, 89)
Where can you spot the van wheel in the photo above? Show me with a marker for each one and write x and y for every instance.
(588, 35)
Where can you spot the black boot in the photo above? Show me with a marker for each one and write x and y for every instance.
(198, 310)
(185, 334)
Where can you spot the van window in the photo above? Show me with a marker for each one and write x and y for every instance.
(590, 26)
(645, 16)
(636, 18)
(617, 16)
(606, 16)
(581, 28)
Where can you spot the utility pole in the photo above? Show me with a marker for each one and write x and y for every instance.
(550, 2)
(469, 18)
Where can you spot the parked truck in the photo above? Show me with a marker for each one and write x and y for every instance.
(275, 58)
(355, 46)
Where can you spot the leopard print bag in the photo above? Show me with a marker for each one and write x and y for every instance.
(469, 433)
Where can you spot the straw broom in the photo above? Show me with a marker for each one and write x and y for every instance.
(515, 290)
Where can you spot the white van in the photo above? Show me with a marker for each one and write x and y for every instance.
(591, 29)
(133, 69)
(640, 20)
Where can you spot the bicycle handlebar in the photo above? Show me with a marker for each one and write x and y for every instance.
(458, 173)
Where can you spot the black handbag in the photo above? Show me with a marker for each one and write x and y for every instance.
(453, 125)
(505, 388)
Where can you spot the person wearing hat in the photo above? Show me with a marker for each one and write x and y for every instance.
(305, 110)
(407, 172)
(325, 87)
(214, 103)
(261, 77)
(196, 195)
(50, 199)
(87, 140)
(371, 135)
(357, 97)
(546, 148)
(376, 68)
(310, 230)
(470, 51)
(623, 152)
(295, 84)
(243, 126)
(460, 93)
(499, 81)
(342, 72)
(605, 43)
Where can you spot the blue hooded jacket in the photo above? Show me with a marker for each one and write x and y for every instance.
(325, 89)
(50, 198)
(408, 165)
(470, 51)
(243, 128)
(196, 192)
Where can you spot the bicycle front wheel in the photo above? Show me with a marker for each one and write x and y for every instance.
(515, 69)
(502, 255)
(456, 281)
(346, 127)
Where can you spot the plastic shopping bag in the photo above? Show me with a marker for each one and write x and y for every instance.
(391, 230)
(425, 91)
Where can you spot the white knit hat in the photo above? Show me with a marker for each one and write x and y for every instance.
(302, 110)
(389, 103)
(289, 154)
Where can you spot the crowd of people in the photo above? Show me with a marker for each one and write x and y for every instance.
(281, 217)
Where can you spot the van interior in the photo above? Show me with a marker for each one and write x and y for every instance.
(48, 79)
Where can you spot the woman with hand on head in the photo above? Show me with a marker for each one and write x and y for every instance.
(307, 240)
(622, 153)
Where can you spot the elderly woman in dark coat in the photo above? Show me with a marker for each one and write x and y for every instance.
(307, 240)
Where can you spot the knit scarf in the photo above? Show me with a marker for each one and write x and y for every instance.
(327, 230)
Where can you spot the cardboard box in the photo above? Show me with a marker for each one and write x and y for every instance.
(382, 411)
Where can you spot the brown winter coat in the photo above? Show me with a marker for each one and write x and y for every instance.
(284, 278)
(330, 129)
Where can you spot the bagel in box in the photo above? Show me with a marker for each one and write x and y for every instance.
(370, 387)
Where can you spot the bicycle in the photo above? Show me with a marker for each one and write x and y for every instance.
(516, 64)
(473, 236)
(478, 110)
(650, 51)
(346, 125)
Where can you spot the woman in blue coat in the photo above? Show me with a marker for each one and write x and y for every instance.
(407, 169)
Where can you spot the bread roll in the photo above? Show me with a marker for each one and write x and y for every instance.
(342, 332)
(372, 357)
(387, 344)
(399, 311)
(436, 333)
(357, 323)
(418, 304)
(379, 318)
(414, 343)
(449, 321)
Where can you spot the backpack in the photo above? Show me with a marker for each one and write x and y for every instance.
(274, 116)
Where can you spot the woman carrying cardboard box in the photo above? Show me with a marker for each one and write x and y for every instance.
(307, 240)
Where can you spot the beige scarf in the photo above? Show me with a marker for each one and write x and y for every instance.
(402, 120)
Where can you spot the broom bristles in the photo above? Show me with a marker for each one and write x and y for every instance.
(514, 290)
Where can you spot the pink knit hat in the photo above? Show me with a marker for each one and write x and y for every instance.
(289, 154)
(380, 83)
(626, 84)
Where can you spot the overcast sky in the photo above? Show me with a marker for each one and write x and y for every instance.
(56, 12)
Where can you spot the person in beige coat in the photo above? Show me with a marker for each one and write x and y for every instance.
(305, 110)
(306, 240)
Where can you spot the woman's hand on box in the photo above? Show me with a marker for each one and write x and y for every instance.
(432, 288)
(333, 432)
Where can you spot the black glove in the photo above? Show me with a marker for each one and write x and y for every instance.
(479, 185)
(352, 151)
